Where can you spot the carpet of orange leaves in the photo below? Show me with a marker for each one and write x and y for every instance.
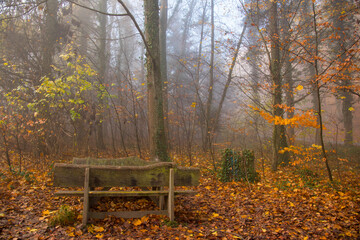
(283, 205)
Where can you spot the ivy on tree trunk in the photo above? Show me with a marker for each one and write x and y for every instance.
(158, 141)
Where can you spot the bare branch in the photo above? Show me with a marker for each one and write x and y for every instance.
(137, 27)
(94, 10)
(27, 11)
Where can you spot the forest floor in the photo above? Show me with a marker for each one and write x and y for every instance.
(294, 203)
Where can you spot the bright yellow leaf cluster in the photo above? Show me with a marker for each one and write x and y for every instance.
(303, 154)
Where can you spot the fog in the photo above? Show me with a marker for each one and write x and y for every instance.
(74, 78)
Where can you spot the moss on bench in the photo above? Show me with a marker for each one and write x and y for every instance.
(152, 175)
(128, 161)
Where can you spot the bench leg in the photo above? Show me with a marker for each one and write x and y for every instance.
(161, 200)
(171, 195)
(86, 197)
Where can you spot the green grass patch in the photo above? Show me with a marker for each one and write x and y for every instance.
(309, 178)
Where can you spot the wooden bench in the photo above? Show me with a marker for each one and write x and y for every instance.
(158, 175)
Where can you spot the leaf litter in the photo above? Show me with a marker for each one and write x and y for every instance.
(284, 206)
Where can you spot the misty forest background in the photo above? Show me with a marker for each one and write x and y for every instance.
(280, 78)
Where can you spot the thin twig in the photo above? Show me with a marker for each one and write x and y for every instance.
(27, 11)
(94, 10)
(137, 27)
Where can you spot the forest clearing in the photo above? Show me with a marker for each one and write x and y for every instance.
(179, 119)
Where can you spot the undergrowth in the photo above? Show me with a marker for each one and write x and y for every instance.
(64, 217)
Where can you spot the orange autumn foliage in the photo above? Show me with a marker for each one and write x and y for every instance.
(307, 119)
(303, 154)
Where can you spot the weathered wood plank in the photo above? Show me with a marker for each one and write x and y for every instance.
(124, 193)
(171, 195)
(154, 175)
(126, 214)
(86, 197)
(129, 161)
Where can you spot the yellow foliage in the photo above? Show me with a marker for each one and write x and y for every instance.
(299, 88)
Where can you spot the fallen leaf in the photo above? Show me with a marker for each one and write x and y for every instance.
(137, 222)
(99, 236)
(98, 229)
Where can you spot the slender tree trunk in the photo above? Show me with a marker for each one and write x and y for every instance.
(228, 82)
(112, 130)
(182, 52)
(134, 111)
(317, 88)
(51, 26)
(254, 55)
(163, 61)
(208, 118)
(315, 101)
(6, 145)
(347, 116)
(342, 27)
(158, 141)
(48, 52)
(102, 72)
(197, 78)
(288, 77)
(279, 136)
(117, 114)
(290, 102)
(306, 10)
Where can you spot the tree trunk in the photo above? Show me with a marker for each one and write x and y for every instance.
(51, 26)
(317, 88)
(315, 101)
(347, 117)
(163, 61)
(100, 145)
(208, 118)
(228, 82)
(288, 75)
(306, 10)
(158, 141)
(279, 136)
(197, 76)
(342, 27)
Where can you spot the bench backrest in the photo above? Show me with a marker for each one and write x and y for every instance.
(127, 161)
(154, 175)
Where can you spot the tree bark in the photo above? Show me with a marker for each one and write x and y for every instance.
(317, 88)
(288, 73)
(51, 26)
(158, 141)
(102, 72)
(342, 31)
(279, 136)
(208, 118)
(306, 11)
(163, 60)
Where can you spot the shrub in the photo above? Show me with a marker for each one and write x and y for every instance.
(238, 166)
(308, 177)
(65, 216)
